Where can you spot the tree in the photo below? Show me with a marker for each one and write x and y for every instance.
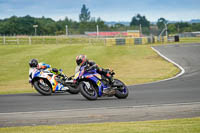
(85, 14)
(182, 26)
(138, 19)
(161, 23)
(196, 27)
(172, 29)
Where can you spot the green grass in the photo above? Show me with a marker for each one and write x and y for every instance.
(133, 65)
(181, 41)
(190, 40)
(191, 125)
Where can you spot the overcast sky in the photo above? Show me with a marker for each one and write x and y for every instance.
(108, 10)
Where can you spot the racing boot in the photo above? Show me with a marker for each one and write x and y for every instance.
(112, 82)
(65, 88)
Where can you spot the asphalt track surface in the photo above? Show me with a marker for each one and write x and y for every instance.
(174, 98)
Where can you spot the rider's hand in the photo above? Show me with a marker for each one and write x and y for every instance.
(55, 70)
(70, 78)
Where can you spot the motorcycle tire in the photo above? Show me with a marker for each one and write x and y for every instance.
(88, 93)
(121, 93)
(43, 90)
(73, 90)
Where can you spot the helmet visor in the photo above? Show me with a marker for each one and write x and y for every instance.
(78, 62)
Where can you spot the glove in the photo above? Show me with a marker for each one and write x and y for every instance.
(112, 72)
(55, 70)
(70, 78)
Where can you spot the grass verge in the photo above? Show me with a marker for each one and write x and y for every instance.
(190, 125)
(190, 40)
(132, 64)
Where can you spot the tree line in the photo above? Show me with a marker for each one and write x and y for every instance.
(47, 26)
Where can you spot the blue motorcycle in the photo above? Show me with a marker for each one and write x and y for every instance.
(92, 85)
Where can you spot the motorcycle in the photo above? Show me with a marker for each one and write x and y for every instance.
(47, 82)
(92, 85)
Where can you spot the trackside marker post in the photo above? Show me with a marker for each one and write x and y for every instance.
(4, 40)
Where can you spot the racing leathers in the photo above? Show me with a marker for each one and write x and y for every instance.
(53, 70)
(92, 65)
(45, 66)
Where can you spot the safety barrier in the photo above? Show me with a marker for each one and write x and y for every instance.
(110, 41)
(135, 41)
(120, 41)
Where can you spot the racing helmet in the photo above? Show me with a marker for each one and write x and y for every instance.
(33, 63)
(81, 59)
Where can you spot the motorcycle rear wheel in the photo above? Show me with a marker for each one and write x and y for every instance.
(73, 90)
(43, 88)
(121, 93)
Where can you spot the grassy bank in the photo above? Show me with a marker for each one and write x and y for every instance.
(133, 65)
(190, 40)
(162, 126)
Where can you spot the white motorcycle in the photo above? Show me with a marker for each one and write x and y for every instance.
(47, 82)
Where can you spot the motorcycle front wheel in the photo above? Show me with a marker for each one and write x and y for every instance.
(88, 90)
(43, 86)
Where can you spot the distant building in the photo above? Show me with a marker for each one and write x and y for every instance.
(133, 33)
(107, 33)
(129, 33)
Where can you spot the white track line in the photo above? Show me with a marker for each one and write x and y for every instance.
(169, 60)
(180, 67)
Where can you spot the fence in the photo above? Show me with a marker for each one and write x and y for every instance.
(31, 40)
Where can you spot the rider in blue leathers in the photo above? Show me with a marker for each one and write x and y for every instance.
(82, 60)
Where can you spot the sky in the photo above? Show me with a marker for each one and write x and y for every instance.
(107, 10)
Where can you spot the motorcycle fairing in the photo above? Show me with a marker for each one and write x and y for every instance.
(33, 73)
(96, 78)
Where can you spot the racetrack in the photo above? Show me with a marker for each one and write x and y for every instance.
(179, 97)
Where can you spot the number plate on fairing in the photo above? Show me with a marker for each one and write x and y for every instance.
(99, 83)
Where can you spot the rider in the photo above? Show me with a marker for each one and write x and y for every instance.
(82, 60)
(34, 64)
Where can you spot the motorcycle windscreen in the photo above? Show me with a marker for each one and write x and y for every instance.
(32, 72)
(98, 76)
(76, 75)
